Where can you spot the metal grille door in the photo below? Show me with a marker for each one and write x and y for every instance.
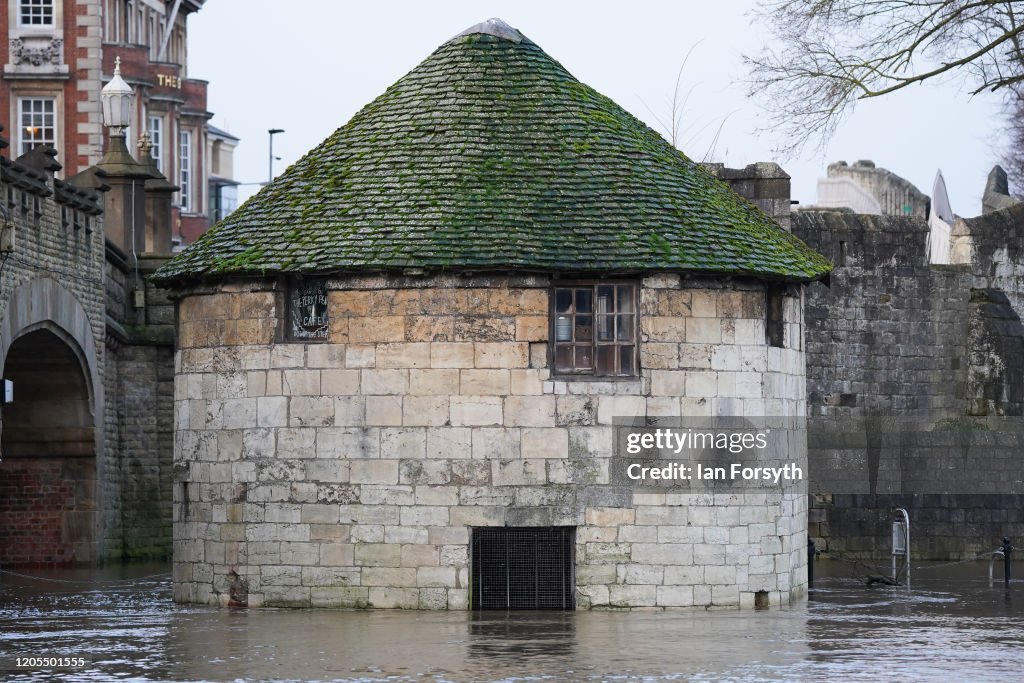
(523, 567)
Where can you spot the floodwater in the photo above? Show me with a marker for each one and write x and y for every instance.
(122, 620)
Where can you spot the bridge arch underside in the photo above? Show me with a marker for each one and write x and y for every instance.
(48, 510)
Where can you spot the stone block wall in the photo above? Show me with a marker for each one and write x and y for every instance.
(104, 495)
(145, 442)
(943, 526)
(893, 337)
(889, 332)
(764, 184)
(53, 281)
(140, 421)
(350, 473)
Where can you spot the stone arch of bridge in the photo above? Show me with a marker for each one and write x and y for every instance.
(52, 433)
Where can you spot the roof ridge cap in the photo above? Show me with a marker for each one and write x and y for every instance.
(493, 27)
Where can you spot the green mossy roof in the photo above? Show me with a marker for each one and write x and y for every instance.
(490, 155)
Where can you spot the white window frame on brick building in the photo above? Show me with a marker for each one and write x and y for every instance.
(36, 13)
(37, 123)
(156, 138)
(185, 170)
(595, 329)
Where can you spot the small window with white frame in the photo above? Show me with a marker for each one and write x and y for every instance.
(594, 330)
(36, 123)
(185, 169)
(156, 138)
(35, 12)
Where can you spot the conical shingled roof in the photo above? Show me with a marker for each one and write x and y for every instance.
(490, 155)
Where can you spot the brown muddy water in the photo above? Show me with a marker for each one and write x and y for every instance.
(952, 625)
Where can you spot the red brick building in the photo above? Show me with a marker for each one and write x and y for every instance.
(61, 54)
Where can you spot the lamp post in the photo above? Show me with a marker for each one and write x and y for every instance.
(125, 201)
(270, 174)
(116, 100)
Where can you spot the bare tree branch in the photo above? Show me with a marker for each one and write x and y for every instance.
(677, 108)
(827, 54)
(1013, 157)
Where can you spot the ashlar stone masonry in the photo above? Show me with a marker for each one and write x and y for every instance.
(349, 473)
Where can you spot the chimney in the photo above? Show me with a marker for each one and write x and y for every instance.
(763, 184)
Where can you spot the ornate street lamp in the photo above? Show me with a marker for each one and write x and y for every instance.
(125, 203)
(116, 100)
(117, 97)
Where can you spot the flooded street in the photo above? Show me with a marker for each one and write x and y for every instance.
(123, 622)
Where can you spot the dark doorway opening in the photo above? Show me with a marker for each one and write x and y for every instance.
(48, 473)
(528, 568)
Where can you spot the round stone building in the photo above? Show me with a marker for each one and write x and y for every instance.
(401, 364)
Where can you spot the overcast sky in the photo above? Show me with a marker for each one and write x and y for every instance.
(308, 65)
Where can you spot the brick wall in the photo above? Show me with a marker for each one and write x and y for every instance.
(33, 495)
(349, 473)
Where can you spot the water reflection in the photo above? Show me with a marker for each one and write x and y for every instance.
(506, 638)
(122, 619)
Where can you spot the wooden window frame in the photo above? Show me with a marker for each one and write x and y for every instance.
(554, 343)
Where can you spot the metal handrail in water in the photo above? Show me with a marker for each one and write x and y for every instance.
(992, 565)
(900, 541)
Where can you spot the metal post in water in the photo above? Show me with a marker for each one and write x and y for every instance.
(901, 541)
(810, 561)
(991, 565)
(1007, 549)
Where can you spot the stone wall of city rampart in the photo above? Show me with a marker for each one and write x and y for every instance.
(895, 339)
(140, 403)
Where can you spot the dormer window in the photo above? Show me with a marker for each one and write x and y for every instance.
(36, 12)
